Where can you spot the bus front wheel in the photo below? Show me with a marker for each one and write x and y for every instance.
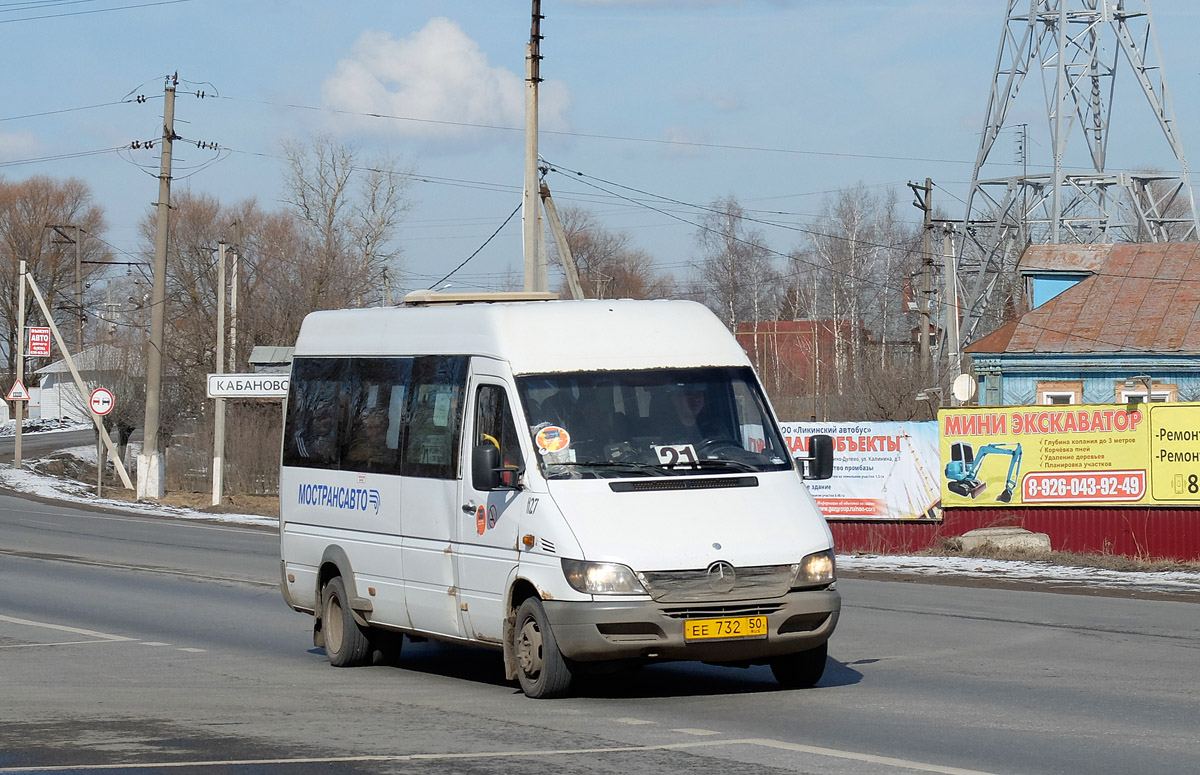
(542, 670)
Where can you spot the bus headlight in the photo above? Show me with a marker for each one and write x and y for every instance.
(815, 570)
(601, 578)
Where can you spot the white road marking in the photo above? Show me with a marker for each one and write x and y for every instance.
(835, 753)
(776, 744)
(631, 721)
(696, 732)
(64, 628)
(100, 637)
(60, 643)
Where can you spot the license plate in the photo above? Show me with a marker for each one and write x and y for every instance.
(739, 627)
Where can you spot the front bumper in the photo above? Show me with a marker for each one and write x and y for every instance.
(595, 631)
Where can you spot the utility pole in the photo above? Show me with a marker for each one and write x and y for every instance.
(233, 306)
(951, 303)
(218, 465)
(560, 240)
(20, 405)
(531, 215)
(924, 201)
(151, 479)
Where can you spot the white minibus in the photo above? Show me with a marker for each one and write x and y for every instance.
(581, 484)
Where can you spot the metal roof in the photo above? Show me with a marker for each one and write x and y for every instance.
(1142, 298)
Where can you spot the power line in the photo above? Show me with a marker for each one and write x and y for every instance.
(64, 110)
(94, 11)
(59, 157)
(481, 247)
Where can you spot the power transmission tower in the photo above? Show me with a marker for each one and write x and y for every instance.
(1077, 45)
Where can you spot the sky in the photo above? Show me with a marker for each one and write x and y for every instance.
(651, 110)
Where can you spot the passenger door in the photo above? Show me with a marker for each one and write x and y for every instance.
(429, 495)
(488, 533)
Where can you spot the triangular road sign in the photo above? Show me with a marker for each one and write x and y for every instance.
(18, 392)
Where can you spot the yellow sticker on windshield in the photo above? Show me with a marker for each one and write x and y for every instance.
(553, 438)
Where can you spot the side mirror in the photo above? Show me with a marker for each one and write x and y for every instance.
(486, 471)
(818, 464)
(485, 467)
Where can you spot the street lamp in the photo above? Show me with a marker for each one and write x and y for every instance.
(928, 394)
(1144, 379)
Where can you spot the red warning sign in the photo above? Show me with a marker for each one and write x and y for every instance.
(17, 392)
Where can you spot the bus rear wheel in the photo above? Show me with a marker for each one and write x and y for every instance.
(346, 644)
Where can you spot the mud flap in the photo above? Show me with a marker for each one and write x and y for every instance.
(510, 657)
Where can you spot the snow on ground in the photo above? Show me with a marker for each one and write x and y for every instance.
(69, 491)
(9, 427)
(1017, 570)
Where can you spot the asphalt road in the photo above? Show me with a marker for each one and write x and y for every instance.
(140, 645)
(34, 445)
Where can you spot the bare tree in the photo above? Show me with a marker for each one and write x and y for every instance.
(737, 277)
(26, 208)
(349, 212)
(609, 267)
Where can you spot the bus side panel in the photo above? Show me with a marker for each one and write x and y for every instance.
(358, 513)
(428, 510)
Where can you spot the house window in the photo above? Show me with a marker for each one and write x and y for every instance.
(1159, 393)
(1060, 392)
(1139, 396)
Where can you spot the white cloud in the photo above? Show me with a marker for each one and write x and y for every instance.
(17, 145)
(685, 141)
(436, 75)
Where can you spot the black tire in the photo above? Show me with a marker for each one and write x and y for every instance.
(800, 670)
(346, 643)
(542, 670)
(385, 647)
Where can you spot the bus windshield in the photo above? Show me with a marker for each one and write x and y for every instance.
(655, 422)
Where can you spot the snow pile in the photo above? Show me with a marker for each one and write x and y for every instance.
(69, 491)
(47, 425)
(1017, 570)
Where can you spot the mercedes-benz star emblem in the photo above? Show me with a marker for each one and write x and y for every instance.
(721, 577)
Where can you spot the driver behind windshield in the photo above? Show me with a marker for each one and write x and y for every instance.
(681, 421)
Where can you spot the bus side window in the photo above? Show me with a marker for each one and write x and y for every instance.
(377, 388)
(315, 410)
(435, 416)
(494, 425)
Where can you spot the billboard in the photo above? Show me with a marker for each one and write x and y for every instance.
(881, 470)
(1070, 455)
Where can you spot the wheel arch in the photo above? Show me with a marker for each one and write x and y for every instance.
(518, 592)
(335, 562)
